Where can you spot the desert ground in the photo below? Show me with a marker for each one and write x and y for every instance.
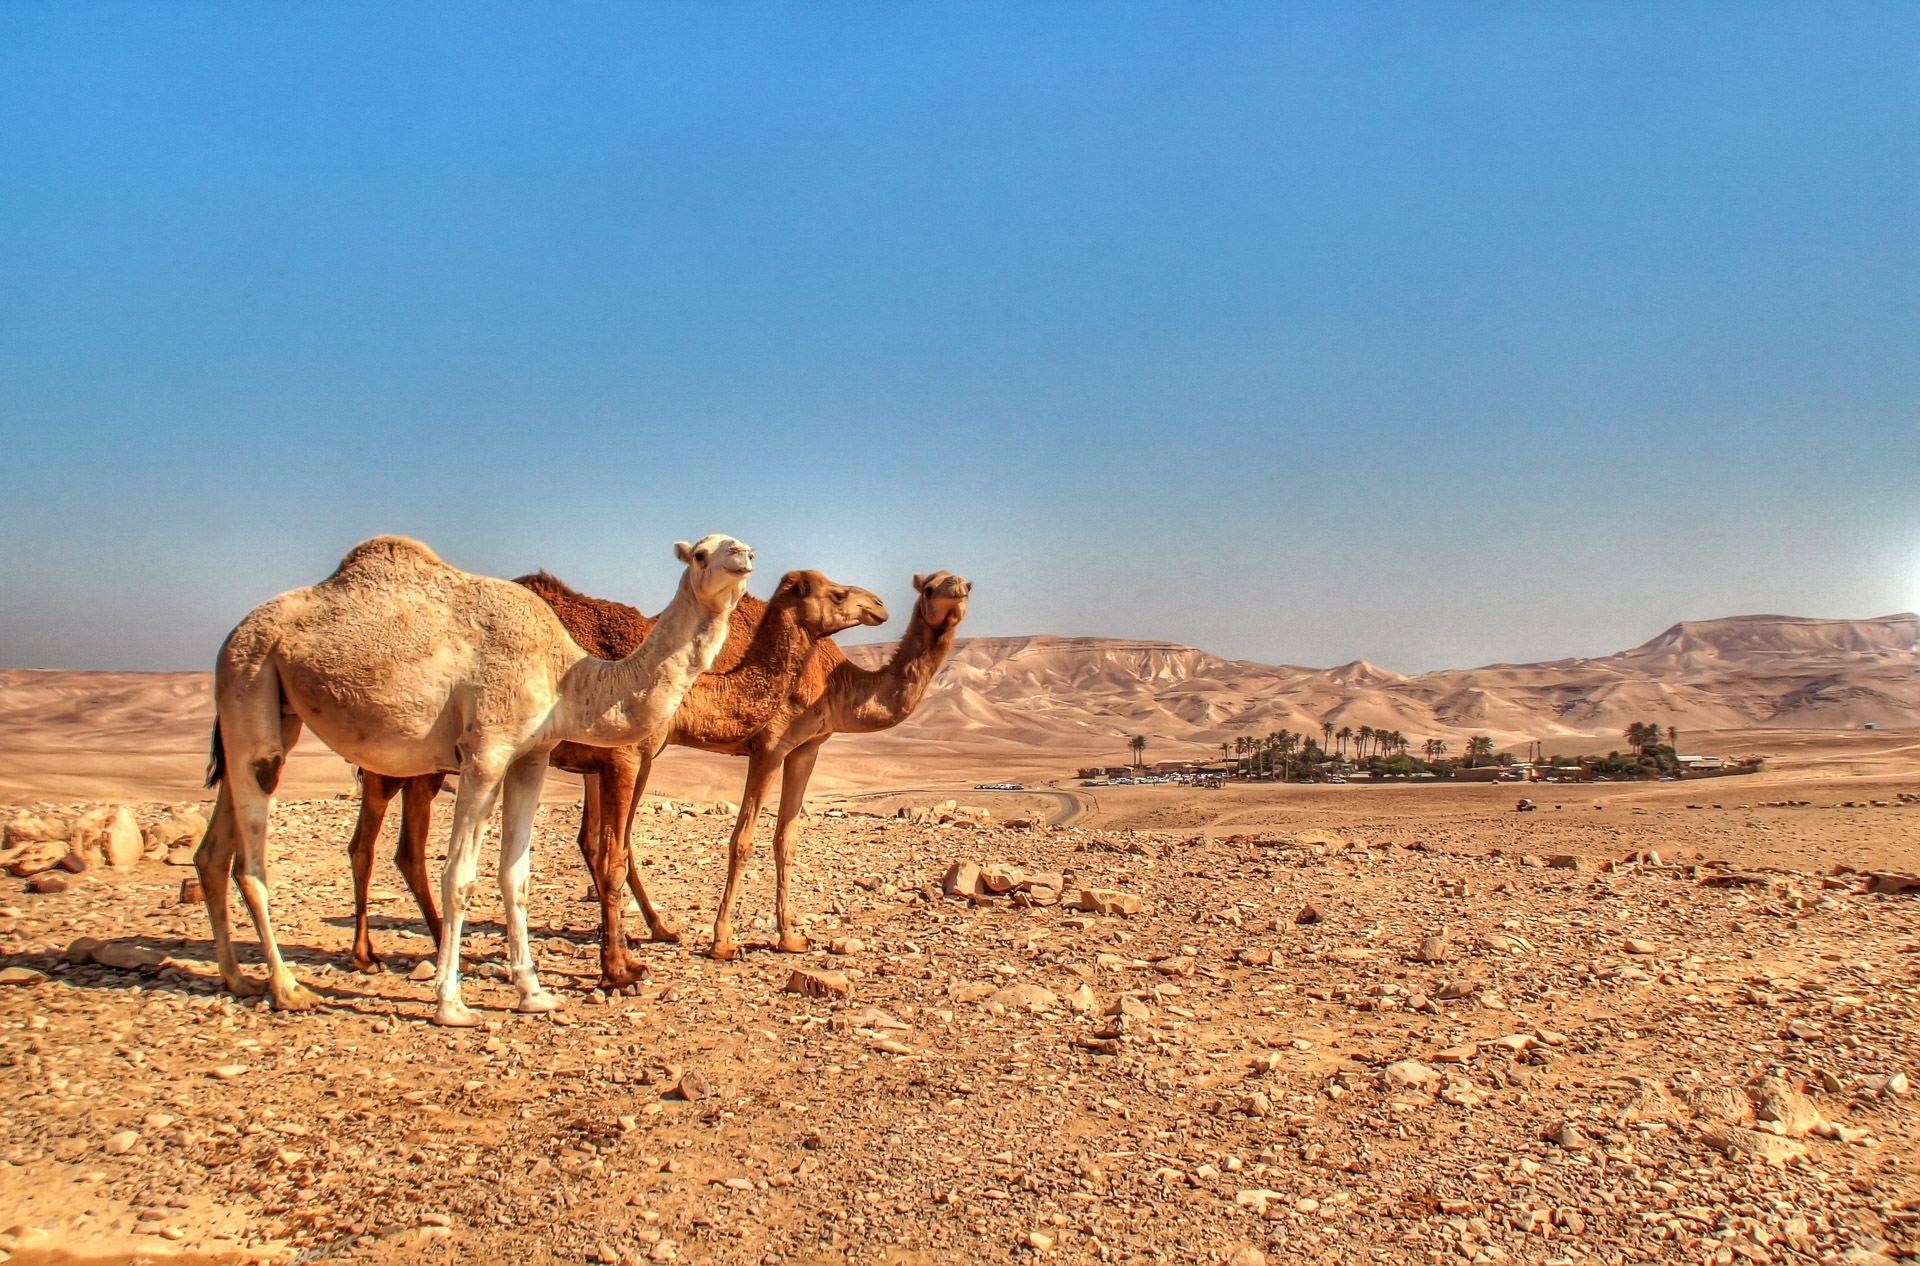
(1494, 1038)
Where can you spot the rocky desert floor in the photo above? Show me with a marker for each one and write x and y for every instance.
(1337, 1028)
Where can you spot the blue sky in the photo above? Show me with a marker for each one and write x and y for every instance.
(1437, 334)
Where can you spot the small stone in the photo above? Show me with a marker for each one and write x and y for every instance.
(1248, 1256)
(1130, 1008)
(1768, 1147)
(1037, 1240)
(1432, 949)
(422, 970)
(1409, 1074)
(123, 957)
(1179, 965)
(1108, 902)
(1257, 1105)
(843, 945)
(818, 984)
(1256, 1198)
(875, 1018)
(961, 880)
(1793, 1115)
(121, 1143)
(1716, 1104)
(35, 857)
(226, 1072)
(1000, 877)
(180, 855)
(693, 1086)
(1650, 1102)
(1636, 946)
(47, 882)
(1570, 861)
(190, 892)
(1082, 1001)
(1567, 1135)
(1035, 998)
(21, 976)
(1310, 914)
(81, 948)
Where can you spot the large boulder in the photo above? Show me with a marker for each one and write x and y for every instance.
(33, 857)
(31, 828)
(106, 837)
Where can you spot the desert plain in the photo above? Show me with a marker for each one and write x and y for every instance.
(1642, 1022)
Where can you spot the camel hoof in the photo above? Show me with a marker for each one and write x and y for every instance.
(241, 987)
(454, 1014)
(537, 1003)
(724, 951)
(661, 932)
(623, 976)
(367, 966)
(294, 997)
(791, 943)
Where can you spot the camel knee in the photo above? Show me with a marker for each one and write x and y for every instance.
(266, 772)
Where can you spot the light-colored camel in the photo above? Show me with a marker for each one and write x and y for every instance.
(768, 647)
(408, 666)
(842, 698)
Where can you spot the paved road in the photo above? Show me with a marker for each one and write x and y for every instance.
(1070, 806)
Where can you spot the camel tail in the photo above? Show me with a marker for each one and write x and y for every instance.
(217, 759)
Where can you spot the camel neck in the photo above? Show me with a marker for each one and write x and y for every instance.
(630, 701)
(880, 698)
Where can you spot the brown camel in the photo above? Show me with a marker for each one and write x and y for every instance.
(768, 646)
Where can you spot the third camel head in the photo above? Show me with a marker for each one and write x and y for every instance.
(717, 569)
(943, 598)
(824, 607)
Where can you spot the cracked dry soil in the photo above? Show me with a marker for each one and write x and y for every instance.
(1247, 1098)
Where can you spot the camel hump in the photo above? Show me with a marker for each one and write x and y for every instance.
(388, 553)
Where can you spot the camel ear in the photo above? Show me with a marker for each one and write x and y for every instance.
(919, 582)
(683, 551)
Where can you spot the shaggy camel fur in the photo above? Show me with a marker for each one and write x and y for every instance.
(850, 699)
(768, 646)
(405, 665)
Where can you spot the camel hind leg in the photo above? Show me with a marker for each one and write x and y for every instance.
(251, 800)
(410, 854)
(793, 799)
(657, 924)
(376, 792)
(250, 741)
(214, 861)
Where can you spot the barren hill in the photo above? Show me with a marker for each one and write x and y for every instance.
(1024, 706)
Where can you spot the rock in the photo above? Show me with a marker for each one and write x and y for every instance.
(80, 949)
(47, 883)
(190, 892)
(1248, 1256)
(124, 957)
(1568, 1135)
(226, 1072)
(425, 969)
(1717, 1104)
(1454, 990)
(875, 1018)
(1130, 1008)
(1000, 877)
(1636, 946)
(962, 880)
(1570, 861)
(1256, 1198)
(36, 856)
(1463, 1094)
(1042, 895)
(1532, 861)
(693, 1086)
(180, 855)
(1409, 1074)
(846, 945)
(1039, 1241)
(1257, 1105)
(21, 976)
(1498, 942)
(121, 1143)
(1778, 1101)
(106, 837)
(1035, 998)
(1768, 1147)
(1035, 881)
(1082, 1000)
(1310, 914)
(969, 991)
(1650, 1102)
(1178, 965)
(818, 984)
(1432, 949)
(1107, 901)
(30, 828)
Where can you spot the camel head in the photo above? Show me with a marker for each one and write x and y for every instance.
(717, 569)
(943, 598)
(824, 607)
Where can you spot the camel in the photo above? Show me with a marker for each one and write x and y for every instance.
(768, 646)
(850, 699)
(406, 665)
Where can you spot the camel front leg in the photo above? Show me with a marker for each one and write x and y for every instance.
(623, 805)
(760, 767)
(589, 827)
(793, 802)
(523, 782)
(410, 854)
(376, 792)
(472, 806)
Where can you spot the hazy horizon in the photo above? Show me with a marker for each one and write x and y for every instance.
(1437, 337)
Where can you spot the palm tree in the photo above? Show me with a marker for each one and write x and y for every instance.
(1345, 735)
(1326, 734)
(1478, 746)
(1436, 748)
(1673, 739)
(1139, 745)
(1365, 736)
(1225, 750)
